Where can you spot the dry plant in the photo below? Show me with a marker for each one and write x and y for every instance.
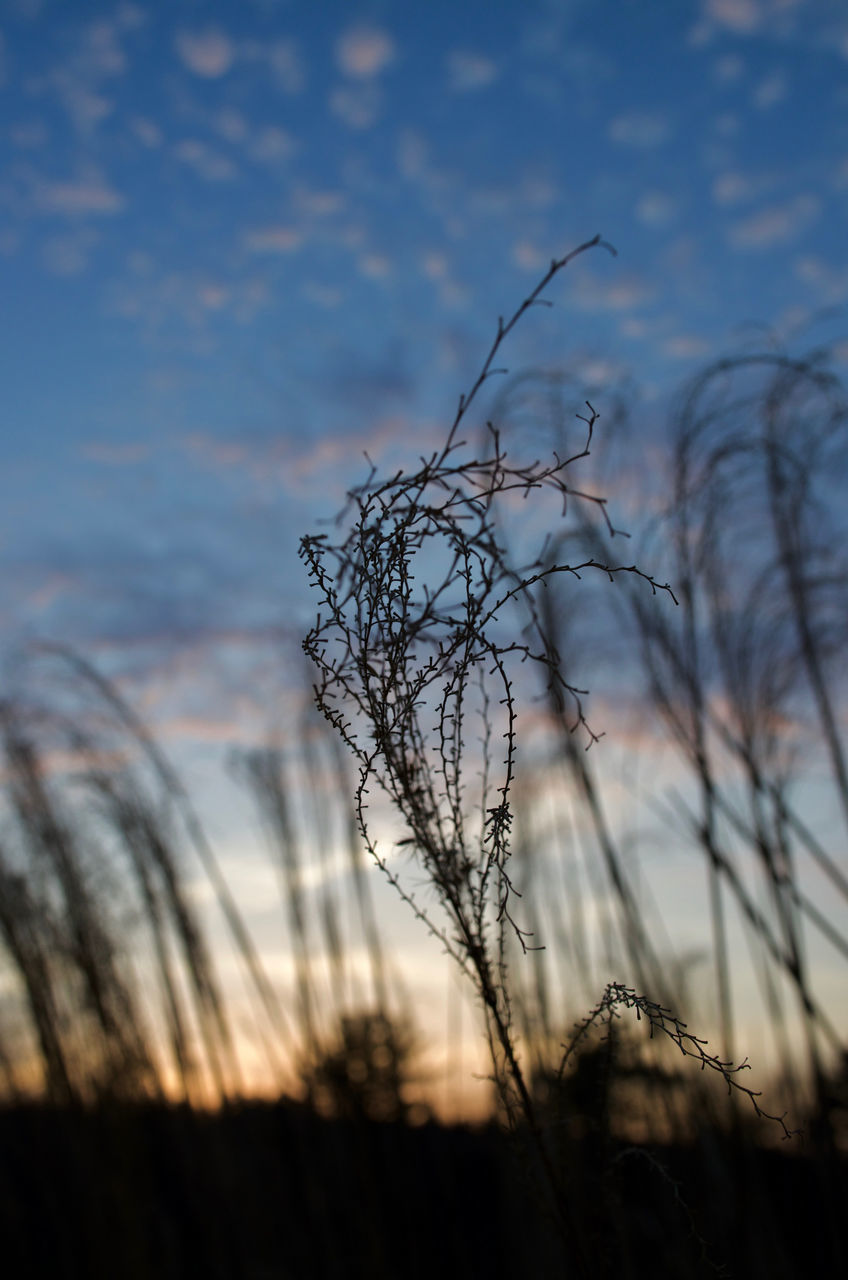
(747, 676)
(665, 1024)
(114, 988)
(406, 665)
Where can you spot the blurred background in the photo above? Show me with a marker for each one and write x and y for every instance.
(241, 247)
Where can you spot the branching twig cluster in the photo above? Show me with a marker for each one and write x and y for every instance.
(411, 649)
(618, 996)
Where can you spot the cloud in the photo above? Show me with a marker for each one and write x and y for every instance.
(282, 58)
(275, 239)
(205, 160)
(829, 281)
(208, 53)
(53, 587)
(733, 187)
(84, 105)
(314, 202)
(181, 302)
(621, 294)
(331, 461)
(94, 54)
(363, 52)
(375, 266)
(770, 91)
(528, 256)
(357, 105)
(434, 264)
(29, 134)
(271, 144)
(656, 209)
(738, 15)
(729, 68)
(90, 193)
(104, 53)
(231, 125)
(469, 72)
(69, 255)
(148, 133)
(641, 129)
(685, 346)
(775, 225)
(287, 66)
(747, 17)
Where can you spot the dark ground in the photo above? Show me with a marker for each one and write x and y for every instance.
(260, 1191)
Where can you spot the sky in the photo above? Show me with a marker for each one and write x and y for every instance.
(243, 243)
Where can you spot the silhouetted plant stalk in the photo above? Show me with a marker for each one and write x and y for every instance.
(70, 834)
(754, 652)
(406, 665)
(665, 1024)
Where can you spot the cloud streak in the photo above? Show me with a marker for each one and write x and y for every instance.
(209, 53)
(364, 52)
(775, 225)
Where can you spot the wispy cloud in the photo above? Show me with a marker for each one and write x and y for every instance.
(780, 18)
(737, 15)
(205, 160)
(231, 124)
(287, 65)
(53, 586)
(771, 90)
(356, 105)
(374, 266)
(363, 52)
(96, 56)
(656, 209)
(330, 463)
(434, 265)
(732, 187)
(641, 129)
(156, 299)
(147, 131)
(29, 135)
(729, 68)
(777, 224)
(89, 193)
(624, 293)
(527, 255)
(69, 255)
(208, 53)
(271, 144)
(318, 202)
(266, 144)
(284, 60)
(685, 346)
(829, 281)
(468, 72)
(273, 239)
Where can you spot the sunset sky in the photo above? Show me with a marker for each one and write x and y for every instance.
(242, 243)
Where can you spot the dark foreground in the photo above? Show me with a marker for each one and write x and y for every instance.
(264, 1191)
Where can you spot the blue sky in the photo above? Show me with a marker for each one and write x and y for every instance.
(242, 242)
